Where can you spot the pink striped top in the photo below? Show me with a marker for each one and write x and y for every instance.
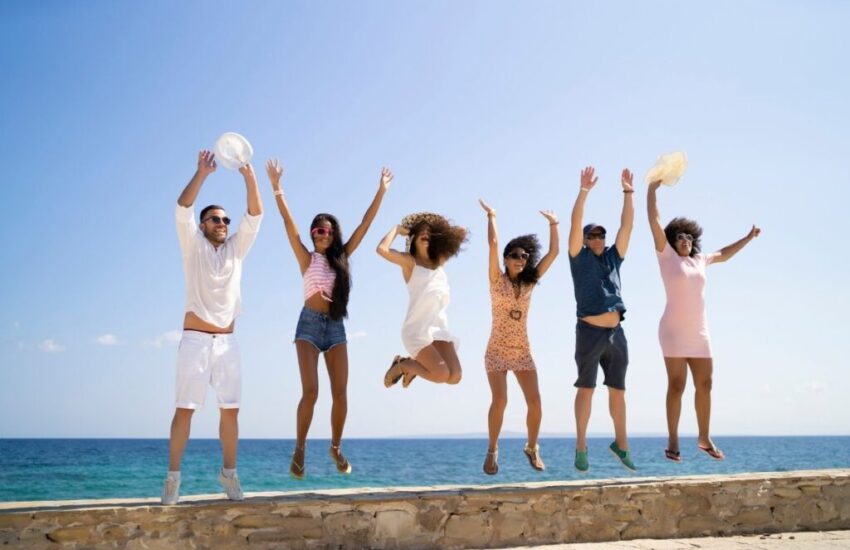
(319, 278)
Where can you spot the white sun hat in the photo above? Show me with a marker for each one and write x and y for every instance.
(668, 168)
(232, 150)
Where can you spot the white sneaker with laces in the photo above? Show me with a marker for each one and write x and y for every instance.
(170, 491)
(231, 486)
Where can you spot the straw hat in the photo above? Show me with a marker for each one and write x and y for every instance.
(668, 168)
(232, 150)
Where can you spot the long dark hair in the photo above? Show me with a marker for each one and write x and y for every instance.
(530, 244)
(684, 225)
(338, 260)
(445, 239)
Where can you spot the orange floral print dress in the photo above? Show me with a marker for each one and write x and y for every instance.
(508, 348)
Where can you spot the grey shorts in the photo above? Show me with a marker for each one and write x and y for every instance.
(605, 347)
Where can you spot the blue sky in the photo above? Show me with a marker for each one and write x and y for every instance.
(104, 106)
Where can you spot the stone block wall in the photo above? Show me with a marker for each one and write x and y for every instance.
(447, 517)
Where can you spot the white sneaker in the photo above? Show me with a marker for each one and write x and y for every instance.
(170, 491)
(231, 486)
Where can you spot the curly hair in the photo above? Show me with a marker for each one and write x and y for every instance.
(445, 241)
(684, 225)
(338, 260)
(531, 245)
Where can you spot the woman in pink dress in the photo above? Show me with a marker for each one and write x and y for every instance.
(683, 331)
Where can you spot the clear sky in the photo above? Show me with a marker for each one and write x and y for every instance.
(104, 106)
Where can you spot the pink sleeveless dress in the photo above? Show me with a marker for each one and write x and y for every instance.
(683, 330)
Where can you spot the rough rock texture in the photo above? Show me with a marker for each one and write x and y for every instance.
(447, 517)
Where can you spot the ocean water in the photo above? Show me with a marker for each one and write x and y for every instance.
(62, 469)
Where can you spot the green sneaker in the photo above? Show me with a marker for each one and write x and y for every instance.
(623, 456)
(581, 463)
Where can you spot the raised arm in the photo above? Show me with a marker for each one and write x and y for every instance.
(554, 243)
(402, 259)
(627, 218)
(728, 251)
(255, 204)
(576, 233)
(654, 217)
(275, 172)
(493, 270)
(360, 232)
(206, 166)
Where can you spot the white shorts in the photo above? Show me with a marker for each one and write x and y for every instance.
(208, 359)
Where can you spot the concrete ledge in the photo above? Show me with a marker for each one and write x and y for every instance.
(448, 516)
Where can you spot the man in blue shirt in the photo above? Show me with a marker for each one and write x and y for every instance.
(600, 340)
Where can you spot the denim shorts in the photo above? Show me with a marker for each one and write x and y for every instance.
(320, 330)
(605, 347)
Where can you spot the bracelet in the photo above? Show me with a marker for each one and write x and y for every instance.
(629, 191)
(278, 193)
(585, 189)
(556, 223)
(491, 215)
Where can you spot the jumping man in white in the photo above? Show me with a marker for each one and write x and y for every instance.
(208, 352)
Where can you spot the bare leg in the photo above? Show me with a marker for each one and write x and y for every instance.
(308, 363)
(449, 354)
(429, 364)
(677, 377)
(617, 409)
(499, 391)
(584, 400)
(528, 383)
(180, 426)
(336, 360)
(702, 370)
(228, 432)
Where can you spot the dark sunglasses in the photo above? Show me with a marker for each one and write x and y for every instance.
(322, 231)
(217, 220)
(519, 255)
(593, 236)
(685, 237)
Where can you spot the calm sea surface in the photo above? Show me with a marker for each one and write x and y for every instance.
(60, 469)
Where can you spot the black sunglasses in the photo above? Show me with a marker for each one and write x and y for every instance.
(519, 255)
(684, 237)
(217, 220)
(592, 236)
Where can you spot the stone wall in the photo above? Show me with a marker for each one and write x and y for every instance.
(447, 517)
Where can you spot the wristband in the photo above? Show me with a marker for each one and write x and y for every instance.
(585, 189)
(628, 191)
(556, 223)
(278, 193)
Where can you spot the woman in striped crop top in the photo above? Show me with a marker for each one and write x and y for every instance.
(320, 328)
(432, 240)
(508, 348)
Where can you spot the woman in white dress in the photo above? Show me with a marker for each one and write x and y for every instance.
(432, 240)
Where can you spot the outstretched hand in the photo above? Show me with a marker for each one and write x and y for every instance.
(247, 170)
(486, 207)
(206, 162)
(627, 180)
(386, 178)
(588, 179)
(754, 232)
(402, 230)
(550, 215)
(274, 171)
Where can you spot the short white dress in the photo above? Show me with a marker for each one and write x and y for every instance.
(426, 314)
